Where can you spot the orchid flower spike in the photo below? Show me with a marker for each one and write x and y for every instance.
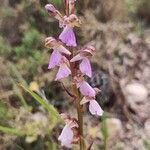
(64, 69)
(84, 55)
(67, 135)
(67, 36)
(56, 55)
(52, 11)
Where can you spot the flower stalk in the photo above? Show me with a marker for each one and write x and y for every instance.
(74, 62)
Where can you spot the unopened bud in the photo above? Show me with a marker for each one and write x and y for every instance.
(51, 9)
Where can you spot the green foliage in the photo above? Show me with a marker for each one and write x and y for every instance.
(147, 145)
(104, 131)
(30, 44)
(134, 6)
(6, 12)
(51, 110)
(56, 2)
(12, 131)
(5, 48)
(5, 114)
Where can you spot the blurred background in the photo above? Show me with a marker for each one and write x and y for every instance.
(120, 31)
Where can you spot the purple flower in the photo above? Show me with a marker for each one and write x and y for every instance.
(56, 55)
(84, 55)
(66, 136)
(55, 59)
(64, 70)
(68, 37)
(86, 89)
(85, 67)
(94, 107)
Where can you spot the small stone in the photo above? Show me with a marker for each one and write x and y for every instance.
(147, 127)
(135, 93)
(114, 128)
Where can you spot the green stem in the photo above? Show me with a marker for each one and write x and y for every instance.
(11, 131)
(78, 106)
(80, 116)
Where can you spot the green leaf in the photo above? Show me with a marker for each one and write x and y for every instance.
(51, 110)
(12, 131)
(104, 131)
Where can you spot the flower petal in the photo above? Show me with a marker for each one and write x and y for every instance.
(62, 49)
(86, 89)
(68, 37)
(85, 67)
(66, 137)
(55, 59)
(95, 108)
(63, 72)
(76, 58)
(84, 100)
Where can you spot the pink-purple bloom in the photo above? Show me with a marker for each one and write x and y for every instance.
(94, 107)
(85, 67)
(86, 89)
(66, 136)
(68, 37)
(84, 55)
(55, 59)
(64, 70)
(58, 50)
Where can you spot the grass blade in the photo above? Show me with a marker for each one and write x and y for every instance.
(41, 101)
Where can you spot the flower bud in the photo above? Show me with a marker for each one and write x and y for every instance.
(50, 42)
(51, 9)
